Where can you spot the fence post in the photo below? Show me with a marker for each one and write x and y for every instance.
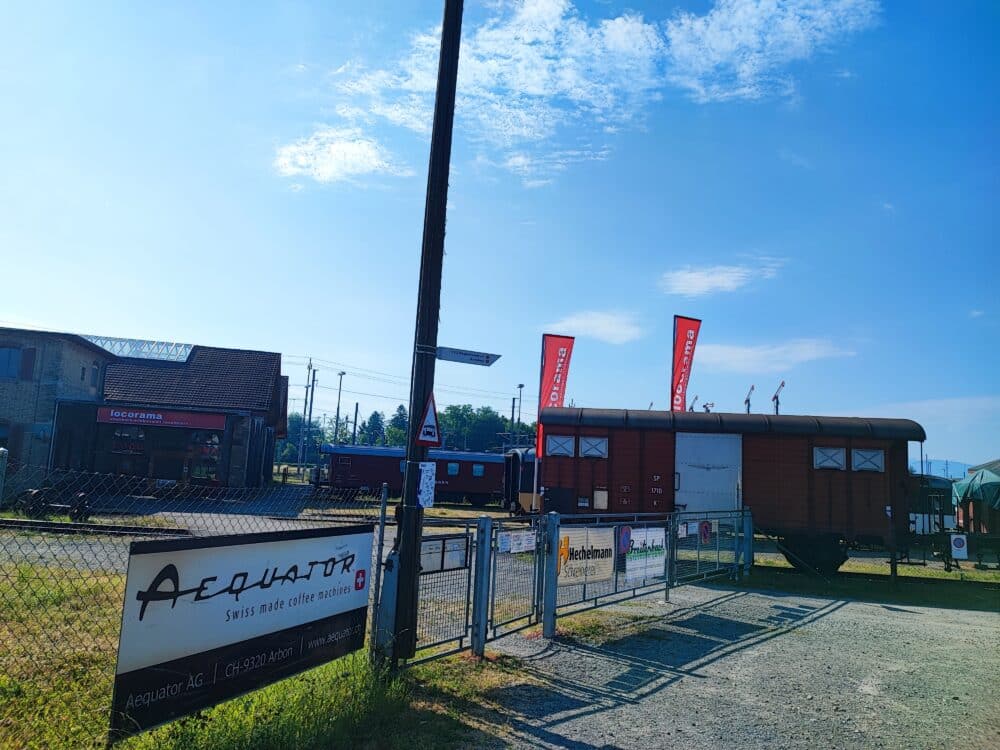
(385, 617)
(481, 584)
(668, 563)
(538, 524)
(378, 564)
(747, 542)
(3, 472)
(551, 598)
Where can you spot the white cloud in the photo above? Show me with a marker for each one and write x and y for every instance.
(844, 73)
(738, 50)
(336, 154)
(796, 160)
(766, 358)
(611, 327)
(889, 208)
(696, 282)
(976, 313)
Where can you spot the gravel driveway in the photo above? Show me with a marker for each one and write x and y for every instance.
(738, 669)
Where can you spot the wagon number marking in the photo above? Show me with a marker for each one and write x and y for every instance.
(656, 490)
(656, 477)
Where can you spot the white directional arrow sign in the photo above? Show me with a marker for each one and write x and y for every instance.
(467, 357)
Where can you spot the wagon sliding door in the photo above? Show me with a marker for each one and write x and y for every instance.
(707, 472)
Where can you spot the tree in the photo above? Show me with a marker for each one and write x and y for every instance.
(400, 420)
(286, 450)
(372, 430)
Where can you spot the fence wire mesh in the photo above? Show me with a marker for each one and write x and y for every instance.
(64, 542)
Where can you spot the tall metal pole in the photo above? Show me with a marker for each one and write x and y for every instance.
(513, 401)
(312, 401)
(336, 427)
(354, 435)
(520, 399)
(426, 329)
(302, 429)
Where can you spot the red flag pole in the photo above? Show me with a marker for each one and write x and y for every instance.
(535, 505)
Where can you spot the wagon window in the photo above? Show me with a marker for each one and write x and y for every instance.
(452, 469)
(594, 447)
(864, 459)
(559, 445)
(478, 470)
(344, 461)
(829, 458)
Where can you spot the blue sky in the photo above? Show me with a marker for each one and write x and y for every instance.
(816, 181)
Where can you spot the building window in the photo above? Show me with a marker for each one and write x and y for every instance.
(559, 445)
(95, 374)
(478, 470)
(10, 362)
(594, 447)
(830, 458)
(83, 373)
(865, 459)
(452, 469)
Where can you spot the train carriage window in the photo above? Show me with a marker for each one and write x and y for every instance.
(594, 447)
(830, 458)
(866, 459)
(344, 461)
(478, 470)
(452, 469)
(559, 445)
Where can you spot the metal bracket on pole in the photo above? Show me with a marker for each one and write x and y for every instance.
(481, 584)
(551, 593)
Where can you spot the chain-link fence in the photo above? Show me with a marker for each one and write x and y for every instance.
(64, 546)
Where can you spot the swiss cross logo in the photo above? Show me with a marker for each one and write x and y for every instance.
(359, 580)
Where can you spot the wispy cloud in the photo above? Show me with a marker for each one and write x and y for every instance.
(336, 154)
(767, 358)
(976, 313)
(888, 207)
(844, 74)
(538, 77)
(690, 281)
(739, 49)
(796, 160)
(612, 327)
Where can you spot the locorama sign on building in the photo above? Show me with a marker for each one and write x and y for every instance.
(160, 418)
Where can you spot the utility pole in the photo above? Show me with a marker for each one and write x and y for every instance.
(354, 435)
(311, 402)
(520, 399)
(513, 401)
(336, 426)
(302, 431)
(426, 328)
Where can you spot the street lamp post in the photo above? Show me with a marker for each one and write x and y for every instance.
(336, 427)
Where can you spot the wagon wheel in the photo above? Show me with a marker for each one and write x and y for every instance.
(79, 509)
(34, 504)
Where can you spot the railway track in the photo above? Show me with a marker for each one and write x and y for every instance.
(63, 527)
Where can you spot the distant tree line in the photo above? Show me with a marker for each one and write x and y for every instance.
(463, 427)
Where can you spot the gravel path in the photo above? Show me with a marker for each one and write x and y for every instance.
(724, 669)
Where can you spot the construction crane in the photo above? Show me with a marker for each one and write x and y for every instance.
(693, 402)
(776, 398)
(746, 401)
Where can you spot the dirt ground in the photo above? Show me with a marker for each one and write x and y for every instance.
(718, 668)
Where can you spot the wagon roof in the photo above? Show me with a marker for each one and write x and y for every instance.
(685, 421)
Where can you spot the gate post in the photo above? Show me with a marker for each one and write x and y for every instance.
(481, 584)
(383, 639)
(668, 574)
(551, 598)
(539, 527)
(3, 472)
(378, 566)
(747, 542)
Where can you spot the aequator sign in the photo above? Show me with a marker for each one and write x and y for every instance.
(160, 417)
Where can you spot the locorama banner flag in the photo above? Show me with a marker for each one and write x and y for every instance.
(685, 338)
(556, 353)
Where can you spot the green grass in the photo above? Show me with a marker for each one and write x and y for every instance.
(880, 567)
(58, 639)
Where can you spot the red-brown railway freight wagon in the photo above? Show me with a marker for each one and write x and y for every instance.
(817, 483)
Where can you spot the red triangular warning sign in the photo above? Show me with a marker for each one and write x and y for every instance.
(430, 434)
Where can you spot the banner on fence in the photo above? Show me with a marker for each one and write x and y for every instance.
(645, 553)
(211, 618)
(586, 555)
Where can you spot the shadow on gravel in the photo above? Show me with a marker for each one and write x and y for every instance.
(657, 652)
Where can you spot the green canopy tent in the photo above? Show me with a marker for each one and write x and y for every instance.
(981, 487)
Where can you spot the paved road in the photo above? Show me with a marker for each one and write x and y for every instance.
(725, 669)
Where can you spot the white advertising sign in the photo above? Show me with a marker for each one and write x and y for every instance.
(209, 618)
(586, 555)
(428, 478)
(959, 547)
(645, 553)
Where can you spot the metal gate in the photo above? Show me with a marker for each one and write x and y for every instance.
(482, 579)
